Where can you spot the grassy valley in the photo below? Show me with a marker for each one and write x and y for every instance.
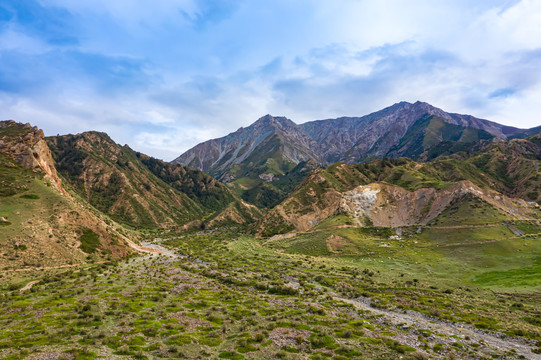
(223, 296)
(392, 259)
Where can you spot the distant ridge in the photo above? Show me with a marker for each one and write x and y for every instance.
(348, 139)
(265, 161)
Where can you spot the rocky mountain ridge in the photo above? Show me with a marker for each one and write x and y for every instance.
(219, 156)
(43, 225)
(29, 150)
(347, 139)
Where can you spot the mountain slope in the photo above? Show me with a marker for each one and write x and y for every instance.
(41, 224)
(262, 162)
(430, 137)
(133, 188)
(372, 136)
(401, 192)
(512, 167)
(347, 139)
(276, 138)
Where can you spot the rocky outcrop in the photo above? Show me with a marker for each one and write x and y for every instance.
(388, 205)
(46, 225)
(27, 146)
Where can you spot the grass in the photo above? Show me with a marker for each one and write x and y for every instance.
(90, 241)
(519, 277)
(217, 303)
(446, 236)
(337, 220)
(231, 296)
(469, 210)
(13, 178)
(29, 196)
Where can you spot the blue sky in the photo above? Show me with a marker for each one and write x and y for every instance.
(163, 76)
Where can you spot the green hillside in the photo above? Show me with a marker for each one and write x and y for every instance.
(430, 137)
(510, 168)
(133, 188)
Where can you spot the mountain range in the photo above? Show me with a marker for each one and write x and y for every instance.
(500, 183)
(256, 159)
(86, 193)
(68, 199)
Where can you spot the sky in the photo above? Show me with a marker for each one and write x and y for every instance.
(165, 75)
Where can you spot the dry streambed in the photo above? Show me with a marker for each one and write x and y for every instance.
(443, 332)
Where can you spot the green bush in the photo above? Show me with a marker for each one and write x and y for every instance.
(30, 196)
(89, 241)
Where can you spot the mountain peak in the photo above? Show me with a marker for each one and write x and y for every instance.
(274, 121)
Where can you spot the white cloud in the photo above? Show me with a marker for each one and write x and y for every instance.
(13, 40)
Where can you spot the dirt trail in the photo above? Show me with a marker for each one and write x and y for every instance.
(424, 226)
(144, 249)
(48, 267)
(461, 226)
(442, 331)
(29, 285)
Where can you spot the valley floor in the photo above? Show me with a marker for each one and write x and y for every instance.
(223, 295)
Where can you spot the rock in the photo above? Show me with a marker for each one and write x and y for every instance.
(31, 151)
(268, 177)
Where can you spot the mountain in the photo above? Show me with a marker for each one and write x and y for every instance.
(347, 139)
(41, 224)
(253, 158)
(268, 159)
(430, 137)
(354, 139)
(138, 190)
(275, 138)
(500, 183)
(511, 167)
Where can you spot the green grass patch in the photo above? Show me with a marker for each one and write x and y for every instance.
(90, 241)
(30, 196)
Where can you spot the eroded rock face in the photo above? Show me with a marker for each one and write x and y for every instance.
(359, 202)
(385, 205)
(268, 177)
(389, 205)
(304, 218)
(28, 147)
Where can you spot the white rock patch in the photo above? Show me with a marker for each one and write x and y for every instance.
(360, 201)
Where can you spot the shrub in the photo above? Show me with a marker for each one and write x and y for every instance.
(30, 196)
(89, 241)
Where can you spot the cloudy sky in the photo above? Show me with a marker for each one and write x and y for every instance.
(164, 75)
